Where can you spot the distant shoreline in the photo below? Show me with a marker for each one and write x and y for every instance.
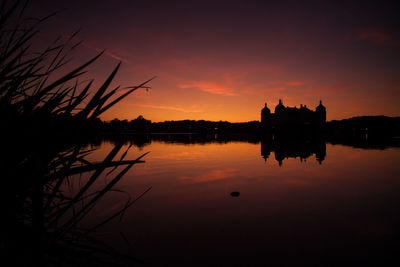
(355, 126)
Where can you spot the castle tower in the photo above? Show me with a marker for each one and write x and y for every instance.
(320, 113)
(280, 114)
(280, 107)
(266, 117)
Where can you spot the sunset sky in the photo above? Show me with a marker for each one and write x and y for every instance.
(221, 60)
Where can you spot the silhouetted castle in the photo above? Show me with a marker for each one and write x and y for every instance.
(293, 116)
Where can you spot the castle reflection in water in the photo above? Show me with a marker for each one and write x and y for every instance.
(285, 147)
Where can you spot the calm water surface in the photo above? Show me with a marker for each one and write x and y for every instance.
(342, 211)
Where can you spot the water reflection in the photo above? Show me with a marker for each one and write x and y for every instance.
(142, 140)
(215, 200)
(341, 212)
(285, 147)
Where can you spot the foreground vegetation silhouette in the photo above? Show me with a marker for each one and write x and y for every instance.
(46, 119)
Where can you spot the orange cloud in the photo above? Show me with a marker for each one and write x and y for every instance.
(209, 87)
(288, 83)
(170, 108)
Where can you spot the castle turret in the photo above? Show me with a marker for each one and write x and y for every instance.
(280, 114)
(320, 113)
(266, 117)
(265, 110)
(280, 107)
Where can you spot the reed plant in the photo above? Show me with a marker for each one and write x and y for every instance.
(42, 120)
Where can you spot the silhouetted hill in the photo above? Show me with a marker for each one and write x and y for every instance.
(365, 132)
(365, 125)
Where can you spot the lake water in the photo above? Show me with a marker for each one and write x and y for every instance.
(334, 205)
